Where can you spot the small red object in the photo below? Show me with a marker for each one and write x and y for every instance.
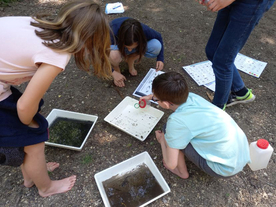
(142, 103)
(262, 143)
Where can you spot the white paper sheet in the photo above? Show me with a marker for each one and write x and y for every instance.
(249, 65)
(202, 73)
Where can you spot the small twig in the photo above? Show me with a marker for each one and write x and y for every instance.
(119, 92)
(18, 200)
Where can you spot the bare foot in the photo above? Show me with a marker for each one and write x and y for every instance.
(132, 71)
(176, 171)
(51, 166)
(59, 186)
(28, 183)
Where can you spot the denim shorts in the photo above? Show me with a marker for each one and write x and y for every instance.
(153, 49)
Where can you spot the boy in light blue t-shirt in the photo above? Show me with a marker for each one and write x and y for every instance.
(202, 132)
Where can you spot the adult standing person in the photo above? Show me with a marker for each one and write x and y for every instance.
(37, 49)
(234, 23)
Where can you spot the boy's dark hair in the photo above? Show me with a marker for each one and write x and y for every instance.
(131, 31)
(171, 87)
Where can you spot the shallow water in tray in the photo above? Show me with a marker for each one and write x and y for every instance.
(71, 132)
(133, 188)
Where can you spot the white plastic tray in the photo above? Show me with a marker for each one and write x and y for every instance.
(55, 113)
(135, 122)
(126, 166)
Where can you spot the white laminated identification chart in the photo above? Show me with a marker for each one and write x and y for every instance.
(202, 73)
(145, 86)
(249, 65)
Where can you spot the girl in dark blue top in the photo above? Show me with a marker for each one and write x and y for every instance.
(130, 41)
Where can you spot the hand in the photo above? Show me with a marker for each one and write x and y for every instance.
(216, 5)
(159, 136)
(159, 65)
(147, 98)
(118, 79)
(201, 1)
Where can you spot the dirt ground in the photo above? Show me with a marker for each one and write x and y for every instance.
(185, 27)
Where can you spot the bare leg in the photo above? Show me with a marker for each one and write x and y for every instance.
(51, 166)
(27, 180)
(34, 170)
(115, 59)
(130, 61)
(181, 168)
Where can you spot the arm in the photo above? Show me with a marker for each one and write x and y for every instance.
(170, 155)
(27, 104)
(152, 34)
(147, 98)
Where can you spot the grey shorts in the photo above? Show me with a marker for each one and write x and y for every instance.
(199, 161)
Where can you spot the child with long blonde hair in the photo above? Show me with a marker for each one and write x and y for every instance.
(37, 50)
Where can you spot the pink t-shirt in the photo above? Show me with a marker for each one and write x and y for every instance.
(21, 52)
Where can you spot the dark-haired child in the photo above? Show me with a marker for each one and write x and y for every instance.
(197, 130)
(130, 41)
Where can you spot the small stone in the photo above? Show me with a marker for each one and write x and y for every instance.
(165, 200)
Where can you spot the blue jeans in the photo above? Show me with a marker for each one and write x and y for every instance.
(153, 49)
(231, 30)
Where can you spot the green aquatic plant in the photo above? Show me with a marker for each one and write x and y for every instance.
(69, 132)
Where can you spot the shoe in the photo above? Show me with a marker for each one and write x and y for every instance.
(234, 99)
